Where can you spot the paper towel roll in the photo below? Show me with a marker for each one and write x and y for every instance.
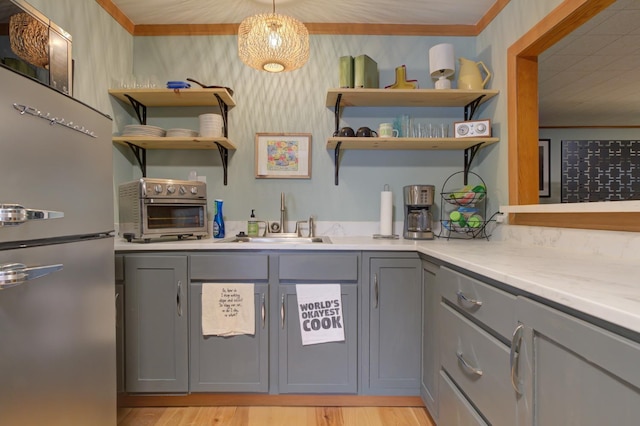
(386, 213)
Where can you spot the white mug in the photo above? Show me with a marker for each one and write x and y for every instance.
(386, 130)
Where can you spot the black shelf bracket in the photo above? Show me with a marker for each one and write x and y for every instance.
(224, 109)
(471, 107)
(139, 108)
(336, 158)
(469, 154)
(141, 156)
(224, 156)
(336, 111)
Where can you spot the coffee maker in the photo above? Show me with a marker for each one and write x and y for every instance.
(418, 200)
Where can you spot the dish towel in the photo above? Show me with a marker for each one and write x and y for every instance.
(228, 309)
(320, 312)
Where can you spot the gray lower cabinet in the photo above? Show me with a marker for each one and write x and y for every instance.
(392, 323)
(324, 367)
(429, 381)
(572, 372)
(234, 363)
(156, 323)
(476, 321)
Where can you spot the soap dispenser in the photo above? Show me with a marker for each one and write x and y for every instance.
(252, 225)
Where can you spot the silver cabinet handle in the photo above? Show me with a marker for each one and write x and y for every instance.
(282, 311)
(375, 290)
(263, 311)
(468, 366)
(179, 298)
(13, 274)
(464, 299)
(514, 355)
(15, 214)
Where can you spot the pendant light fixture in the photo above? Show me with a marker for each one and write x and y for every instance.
(272, 42)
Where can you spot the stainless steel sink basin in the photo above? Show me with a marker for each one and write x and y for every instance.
(282, 240)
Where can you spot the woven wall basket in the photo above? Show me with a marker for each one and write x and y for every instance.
(29, 39)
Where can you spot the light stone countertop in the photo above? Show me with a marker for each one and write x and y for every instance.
(576, 273)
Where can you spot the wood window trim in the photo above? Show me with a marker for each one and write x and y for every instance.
(522, 110)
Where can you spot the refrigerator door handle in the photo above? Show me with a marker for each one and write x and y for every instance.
(13, 274)
(15, 214)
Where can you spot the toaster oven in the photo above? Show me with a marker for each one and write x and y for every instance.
(153, 208)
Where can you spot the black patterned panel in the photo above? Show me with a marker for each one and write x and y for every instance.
(600, 170)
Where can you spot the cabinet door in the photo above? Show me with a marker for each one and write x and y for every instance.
(430, 349)
(229, 364)
(119, 295)
(394, 306)
(575, 373)
(156, 323)
(120, 338)
(320, 368)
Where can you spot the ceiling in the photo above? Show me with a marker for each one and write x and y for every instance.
(424, 12)
(588, 79)
(591, 77)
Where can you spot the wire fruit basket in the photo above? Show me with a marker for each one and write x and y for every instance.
(463, 210)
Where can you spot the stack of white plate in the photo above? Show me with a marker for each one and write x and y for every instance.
(181, 133)
(143, 130)
(210, 125)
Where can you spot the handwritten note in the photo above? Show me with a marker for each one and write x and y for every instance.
(231, 302)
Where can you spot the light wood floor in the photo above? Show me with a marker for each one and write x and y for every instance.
(274, 416)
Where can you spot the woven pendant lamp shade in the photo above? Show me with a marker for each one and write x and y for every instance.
(272, 42)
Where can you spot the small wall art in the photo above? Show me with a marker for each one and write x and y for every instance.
(283, 155)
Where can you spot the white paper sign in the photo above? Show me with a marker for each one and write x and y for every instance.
(320, 312)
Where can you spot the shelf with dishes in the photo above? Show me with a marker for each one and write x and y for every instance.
(469, 100)
(174, 142)
(141, 99)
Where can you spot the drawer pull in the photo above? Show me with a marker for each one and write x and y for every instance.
(375, 290)
(514, 355)
(468, 366)
(282, 312)
(179, 298)
(464, 299)
(263, 312)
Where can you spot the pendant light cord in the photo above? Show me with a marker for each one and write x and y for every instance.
(274, 7)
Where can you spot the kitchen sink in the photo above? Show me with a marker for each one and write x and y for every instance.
(281, 240)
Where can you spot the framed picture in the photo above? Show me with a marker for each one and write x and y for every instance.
(283, 155)
(544, 164)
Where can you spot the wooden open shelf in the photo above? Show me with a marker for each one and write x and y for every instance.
(175, 97)
(174, 143)
(407, 97)
(408, 143)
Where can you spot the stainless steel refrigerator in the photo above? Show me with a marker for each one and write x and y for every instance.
(57, 308)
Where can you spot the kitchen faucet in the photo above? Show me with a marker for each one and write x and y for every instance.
(283, 222)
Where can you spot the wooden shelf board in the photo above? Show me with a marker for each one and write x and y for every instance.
(174, 143)
(407, 97)
(177, 97)
(408, 143)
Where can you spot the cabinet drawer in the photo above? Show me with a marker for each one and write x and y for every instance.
(232, 266)
(454, 407)
(493, 307)
(330, 267)
(463, 341)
